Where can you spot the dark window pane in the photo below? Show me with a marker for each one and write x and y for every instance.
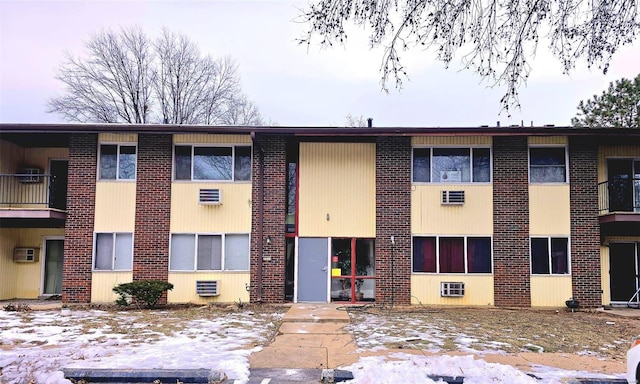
(548, 174)
(108, 161)
(365, 257)
(547, 165)
(451, 255)
(479, 254)
(539, 256)
(547, 156)
(212, 163)
(421, 165)
(183, 162)
(424, 254)
(243, 163)
(291, 197)
(209, 252)
(451, 165)
(481, 165)
(559, 252)
(127, 166)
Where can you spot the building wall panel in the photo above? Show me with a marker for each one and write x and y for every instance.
(605, 277)
(11, 157)
(115, 206)
(232, 287)
(9, 238)
(548, 140)
(425, 289)
(107, 137)
(549, 210)
(39, 157)
(102, 284)
(199, 138)
(337, 189)
(451, 140)
(550, 291)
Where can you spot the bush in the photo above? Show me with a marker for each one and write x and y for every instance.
(141, 291)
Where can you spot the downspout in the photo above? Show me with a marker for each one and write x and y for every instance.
(260, 213)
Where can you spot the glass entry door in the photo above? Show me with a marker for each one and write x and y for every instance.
(352, 270)
(53, 261)
(623, 270)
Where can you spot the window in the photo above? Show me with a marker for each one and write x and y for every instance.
(451, 165)
(212, 163)
(549, 255)
(113, 252)
(452, 254)
(117, 162)
(196, 252)
(547, 165)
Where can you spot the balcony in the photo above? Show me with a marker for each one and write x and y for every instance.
(32, 200)
(619, 207)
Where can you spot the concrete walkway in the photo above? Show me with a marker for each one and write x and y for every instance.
(312, 336)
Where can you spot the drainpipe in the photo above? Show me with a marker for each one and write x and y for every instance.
(393, 286)
(260, 213)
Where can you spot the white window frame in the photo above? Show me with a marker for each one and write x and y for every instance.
(118, 145)
(223, 252)
(566, 164)
(466, 256)
(113, 254)
(548, 238)
(211, 145)
(470, 147)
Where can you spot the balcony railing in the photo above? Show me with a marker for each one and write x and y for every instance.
(620, 195)
(30, 191)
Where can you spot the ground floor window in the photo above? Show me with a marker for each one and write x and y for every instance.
(206, 252)
(448, 254)
(549, 255)
(352, 269)
(113, 252)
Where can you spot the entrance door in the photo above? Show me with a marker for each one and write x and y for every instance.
(313, 269)
(58, 187)
(622, 271)
(53, 260)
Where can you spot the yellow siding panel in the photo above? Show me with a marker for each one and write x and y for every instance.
(102, 284)
(550, 291)
(478, 289)
(199, 138)
(118, 137)
(233, 215)
(605, 278)
(233, 287)
(9, 238)
(115, 206)
(549, 210)
(11, 157)
(429, 216)
(39, 157)
(612, 152)
(337, 195)
(549, 140)
(452, 140)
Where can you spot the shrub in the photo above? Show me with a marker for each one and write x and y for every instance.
(141, 291)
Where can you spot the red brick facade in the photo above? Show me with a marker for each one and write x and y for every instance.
(153, 208)
(511, 265)
(585, 228)
(272, 225)
(81, 197)
(393, 218)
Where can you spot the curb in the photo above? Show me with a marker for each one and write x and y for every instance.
(191, 376)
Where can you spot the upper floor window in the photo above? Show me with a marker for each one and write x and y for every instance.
(117, 162)
(212, 163)
(452, 254)
(547, 165)
(549, 255)
(201, 252)
(113, 252)
(451, 165)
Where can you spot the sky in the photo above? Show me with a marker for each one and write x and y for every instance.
(291, 84)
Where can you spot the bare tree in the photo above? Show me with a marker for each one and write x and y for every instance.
(241, 111)
(497, 39)
(128, 77)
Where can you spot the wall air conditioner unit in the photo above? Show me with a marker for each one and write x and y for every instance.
(450, 289)
(452, 198)
(25, 255)
(29, 175)
(208, 288)
(210, 196)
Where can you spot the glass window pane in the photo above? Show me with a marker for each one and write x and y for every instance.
(104, 251)
(451, 255)
(236, 252)
(183, 250)
(108, 161)
(127, 161)
(124, 251)
(424, 254)
(421, 165)
(341, 255)
(559, 252)
(481, 165)
(548, 174)
(479, 255)
(243, 163)
(209, 252)
(547, 156)
(183, 162)
(365, 257)
(547, 165)
(540, 256)
(451, 165)
(212, 163)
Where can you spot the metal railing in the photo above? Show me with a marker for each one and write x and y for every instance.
(620, 195)
(28, 190)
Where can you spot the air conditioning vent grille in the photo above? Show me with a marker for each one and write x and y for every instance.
(25, 255)
(210, 196)
(453, 197)
(208, 287)
(451, 289)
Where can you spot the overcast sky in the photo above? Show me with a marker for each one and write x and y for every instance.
(290, 84)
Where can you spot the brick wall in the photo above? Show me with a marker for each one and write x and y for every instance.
(273, 220)
(511, 222)
(585, 230)
(78, 239)
(393, 218)
(153, 208)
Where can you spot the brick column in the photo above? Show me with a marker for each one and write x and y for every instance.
(78, 238)
(393, 218)
(273, 219)
(511, 261)
(153, 208)
(585, 228)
